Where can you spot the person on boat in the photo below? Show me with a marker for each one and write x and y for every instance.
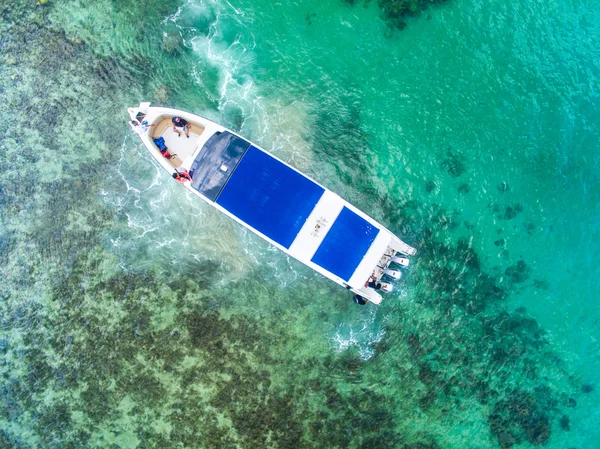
(374, 284)
(141, 127)
(360, 300)
(182, 176)
(179, 122)
(166, 153)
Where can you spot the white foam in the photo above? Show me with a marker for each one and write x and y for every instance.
(275, 122)
(364, 335)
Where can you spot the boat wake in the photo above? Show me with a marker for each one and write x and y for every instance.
(220, 37)
(362, 335)
(177, 228)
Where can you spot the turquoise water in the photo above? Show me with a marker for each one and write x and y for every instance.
(135, 316)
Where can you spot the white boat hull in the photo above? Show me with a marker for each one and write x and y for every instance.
(313, 232)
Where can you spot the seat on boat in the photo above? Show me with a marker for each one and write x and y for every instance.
(181, 146)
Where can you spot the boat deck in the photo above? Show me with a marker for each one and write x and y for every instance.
(179, 145)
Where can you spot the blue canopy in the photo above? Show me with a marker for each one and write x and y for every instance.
(345, 244)
(269, 196)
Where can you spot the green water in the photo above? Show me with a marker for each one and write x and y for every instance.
(135, 316)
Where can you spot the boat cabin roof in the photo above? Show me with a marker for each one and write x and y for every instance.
(216, 162)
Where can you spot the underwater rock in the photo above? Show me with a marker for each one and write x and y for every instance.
(587, 388)
(505, 438)
(97, 400)
(499, 242)
(161, 94)
(430, 186)
(383, 439)
(505, 327)
(453, 165)
(315, 385)
(414, 344)
(484, 392)
(426, 374)
(509, 213)
(426, 401)
(571, 402)
(308, 18)
(172, 43)
(488, 287)
(353, 364)
(518, 272)
(350, 417)
(395, 12)
(381, 347)
(529, 228)
(538, 431)
(466, 253)
(565, 423)
(464, 188)
(530, 369)
(502, 187)
(518, 417)
(542, 285)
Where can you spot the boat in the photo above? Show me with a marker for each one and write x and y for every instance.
(271, 198)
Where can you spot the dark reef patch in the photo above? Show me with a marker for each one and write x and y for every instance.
(396, 12)
(503, 187)
(509, 345)
(518, 418)
(565, 423)
(426, 401)
(518, 273)
(509, 213)
(453, 164)
(430, 186)
(463, 188)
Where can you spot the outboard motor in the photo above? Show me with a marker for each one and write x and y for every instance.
(394, 274)
(402, 261)
(386, 287)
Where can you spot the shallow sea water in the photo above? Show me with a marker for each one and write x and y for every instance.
(135, 316)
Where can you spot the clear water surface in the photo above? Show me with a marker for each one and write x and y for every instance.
(135, 316)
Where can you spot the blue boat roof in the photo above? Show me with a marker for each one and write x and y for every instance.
(345, 245)
(269, 196)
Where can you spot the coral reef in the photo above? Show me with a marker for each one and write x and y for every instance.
(518, 273)
(453, 164)
(519, 418)
(396, 12)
